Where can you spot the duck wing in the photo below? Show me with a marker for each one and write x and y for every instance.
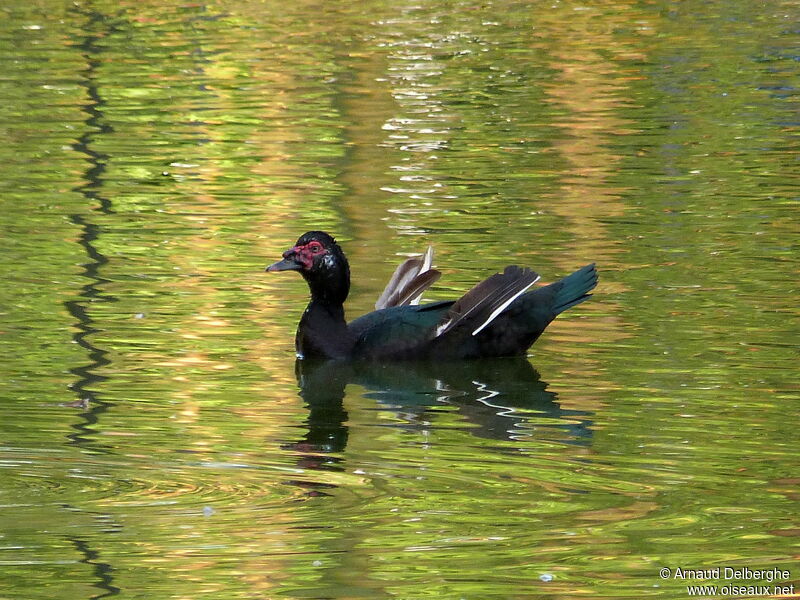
(409, 281)
(398, 332)
(486, 301)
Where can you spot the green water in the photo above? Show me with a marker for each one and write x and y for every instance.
(158, 439)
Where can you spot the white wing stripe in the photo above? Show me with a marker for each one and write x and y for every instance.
(427, 261)
(502, 307)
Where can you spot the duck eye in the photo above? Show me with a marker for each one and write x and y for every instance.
(315, 247)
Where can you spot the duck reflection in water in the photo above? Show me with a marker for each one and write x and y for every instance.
(503, 399)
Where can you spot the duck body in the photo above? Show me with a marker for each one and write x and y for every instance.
(498, 317)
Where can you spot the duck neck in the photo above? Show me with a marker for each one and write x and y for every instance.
(330, 293)
(323, 331)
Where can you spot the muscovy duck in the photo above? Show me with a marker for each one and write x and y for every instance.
(497, 317)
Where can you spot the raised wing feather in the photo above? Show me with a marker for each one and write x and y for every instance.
(409, 281)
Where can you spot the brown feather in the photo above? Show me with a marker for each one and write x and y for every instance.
(414, 288)
(408, 282)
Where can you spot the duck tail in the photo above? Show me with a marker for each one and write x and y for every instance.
(574, 288)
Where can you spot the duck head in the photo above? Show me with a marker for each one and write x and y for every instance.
(323, 265)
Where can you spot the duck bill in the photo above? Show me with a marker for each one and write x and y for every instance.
(286, 264)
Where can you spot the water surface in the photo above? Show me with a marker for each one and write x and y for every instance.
(160, 439)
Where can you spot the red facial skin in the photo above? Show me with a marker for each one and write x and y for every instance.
(305, 254)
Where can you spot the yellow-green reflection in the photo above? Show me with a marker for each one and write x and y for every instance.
(157, 439)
